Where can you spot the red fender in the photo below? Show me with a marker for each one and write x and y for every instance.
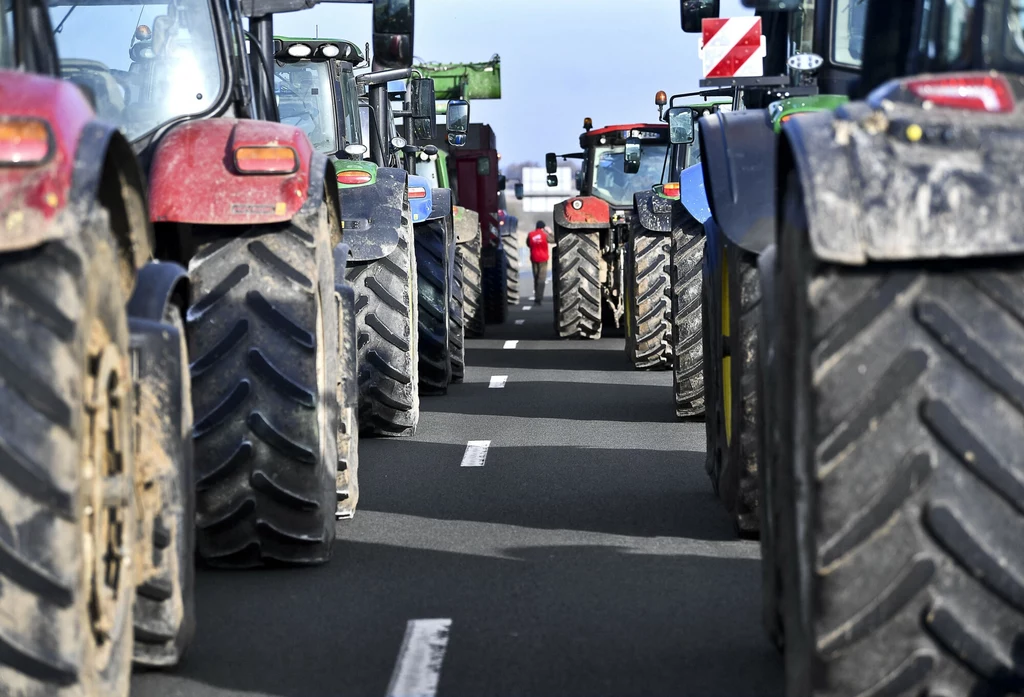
(30, 197)
(193, 179)
(592, 212)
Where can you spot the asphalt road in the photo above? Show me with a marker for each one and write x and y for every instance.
(587, 556)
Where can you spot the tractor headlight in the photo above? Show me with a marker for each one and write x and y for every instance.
(299, 50)
(330, 51)
(577, 204)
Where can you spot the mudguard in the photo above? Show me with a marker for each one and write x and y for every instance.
(158, 284)
(738, 151)
(372, 214)
(692, 194)
(653, 211)
(872, 193)
(442, 204)
(467, 225)
(193, 180)
(593, 214)
(421, 207)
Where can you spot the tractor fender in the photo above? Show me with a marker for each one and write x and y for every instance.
(421, 207)
(467, 225)
(738, 150)
(692, 194)
(653, 212)
(441, 204)
(372, 214)
(193, 178)
(871, 193)
(158, 283)
(593, 213)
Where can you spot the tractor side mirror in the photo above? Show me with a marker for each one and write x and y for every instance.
(631, 156)
(680, 126)
(519, 191)
(424, 109)
(457, 140)
(552, 180)
(772, 5)
(457, 116)
(502, 182)
(392, 34)
(551, 163)
(695, 11)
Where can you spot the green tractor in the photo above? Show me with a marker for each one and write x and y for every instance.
(738, 148)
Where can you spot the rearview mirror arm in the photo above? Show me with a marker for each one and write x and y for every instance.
(382, 77)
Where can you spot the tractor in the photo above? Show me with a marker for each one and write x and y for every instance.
(738, 149)
(592, 229)
(663, 320)
(890, 422)
(508, 225)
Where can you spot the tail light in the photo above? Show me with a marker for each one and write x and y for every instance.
(354, 177)
(671, 189)
(266, 159)
(417, 192)
(975, 92)
(24, 142)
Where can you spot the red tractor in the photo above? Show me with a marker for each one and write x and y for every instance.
(592, 229)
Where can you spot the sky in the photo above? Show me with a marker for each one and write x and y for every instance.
(561, 60)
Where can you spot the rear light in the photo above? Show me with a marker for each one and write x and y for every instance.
(354, 177)
(24, 142)
(417, 192)
(671, 190)
(266, 159)
(975, 93)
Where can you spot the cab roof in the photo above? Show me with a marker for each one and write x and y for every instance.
(626, 127)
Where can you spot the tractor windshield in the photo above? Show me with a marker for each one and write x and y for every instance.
(848, 19)
(428, 170)
(610, 181)
(305, 99)
(144, 64)
(350, 105)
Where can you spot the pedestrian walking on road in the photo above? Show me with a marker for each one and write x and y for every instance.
(538, 241)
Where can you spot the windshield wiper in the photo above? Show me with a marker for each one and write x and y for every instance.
(60, 27)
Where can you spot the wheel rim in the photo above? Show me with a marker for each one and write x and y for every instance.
(107, 488)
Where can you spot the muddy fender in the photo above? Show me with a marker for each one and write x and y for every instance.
(653, 212)
(442, 204)
(873, 194)
(592, 213)
(738, 151)
(421, 207)
(467, 225)
(372, 214)
(692, 194)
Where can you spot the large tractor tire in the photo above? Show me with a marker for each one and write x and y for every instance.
(387, 306)
(165, 603)
(687, 348)
(435, 361)
(577, 284)
(511, 246)
(456, 323)
(902, 485)
(648, 288)
(468, 255)
(263, 335)
(712, 348)
(347, 488)
(68, 515)
(495, 265)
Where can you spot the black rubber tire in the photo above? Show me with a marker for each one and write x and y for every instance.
(577, 284)
(902, 496)
(768, 407)
(738, 478)
(711, 337)
(165, 603)
(456, 322)
(347, 482)
(511, 245)
(495, 265)
(263, 335)
(468, 254)
(387, 306)
(64, 309)
(648, 288)
(687, 347)
(432, 265)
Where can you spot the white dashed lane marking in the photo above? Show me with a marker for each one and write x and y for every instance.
(498, 381)
(520, 321)
(419, 660)
(476, 453)
(511, 343)
(527, 307)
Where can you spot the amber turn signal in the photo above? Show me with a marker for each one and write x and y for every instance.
(266, 159)
(24, 142)
(354, 177)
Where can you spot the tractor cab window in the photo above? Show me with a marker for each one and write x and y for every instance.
(304, 99)
(350, 105)
(7, 52)
(145, 64)
(610, 181)
(1005, 34)
(428, 170)
(693, 152)
(848, 19)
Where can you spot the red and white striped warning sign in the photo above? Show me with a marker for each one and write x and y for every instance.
(732, 47)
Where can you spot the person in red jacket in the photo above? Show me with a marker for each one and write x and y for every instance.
(538, 241)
